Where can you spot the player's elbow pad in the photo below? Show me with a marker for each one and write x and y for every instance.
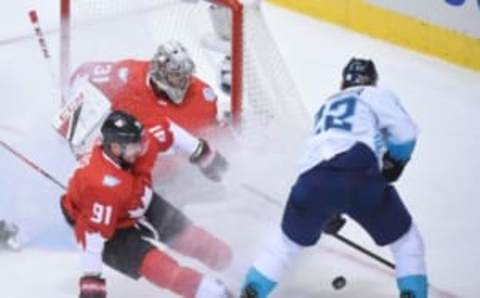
(211, 163)
(401, 151)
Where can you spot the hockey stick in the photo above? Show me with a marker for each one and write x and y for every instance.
(37, 29)
(363, 250)
(336, 235)
(32, 165)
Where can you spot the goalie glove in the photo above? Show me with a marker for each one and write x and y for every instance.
(392, 168)
(92, 286)
(211, 163)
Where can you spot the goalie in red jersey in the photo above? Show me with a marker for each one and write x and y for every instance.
(116, 215)
(164, 86)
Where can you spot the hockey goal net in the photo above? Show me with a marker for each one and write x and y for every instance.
(106, 30)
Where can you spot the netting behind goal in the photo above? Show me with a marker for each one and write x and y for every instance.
(264, 102)
(108, 30)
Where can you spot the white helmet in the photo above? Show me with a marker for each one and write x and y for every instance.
(171, 70)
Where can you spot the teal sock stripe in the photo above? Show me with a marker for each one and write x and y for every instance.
(262, 284)
(414, 283)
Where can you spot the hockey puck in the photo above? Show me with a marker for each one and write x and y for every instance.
(339, 282)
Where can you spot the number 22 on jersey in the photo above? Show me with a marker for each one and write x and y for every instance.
(336, 114)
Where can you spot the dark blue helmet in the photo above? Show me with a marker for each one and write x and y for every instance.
(359, 72)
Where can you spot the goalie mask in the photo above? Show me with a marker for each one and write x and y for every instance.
(171, 70)
(359, 72)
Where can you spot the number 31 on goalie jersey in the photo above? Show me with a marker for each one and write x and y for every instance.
(101, 73)
(337, 113)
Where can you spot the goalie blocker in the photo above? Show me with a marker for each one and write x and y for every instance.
(80, 119)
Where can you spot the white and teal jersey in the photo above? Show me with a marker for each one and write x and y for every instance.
(370, 115)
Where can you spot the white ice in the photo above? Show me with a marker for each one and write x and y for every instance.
(439, 185)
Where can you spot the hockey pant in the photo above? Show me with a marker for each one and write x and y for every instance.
(164, 223)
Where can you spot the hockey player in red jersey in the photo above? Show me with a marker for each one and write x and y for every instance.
(164, 85)
(113, 210)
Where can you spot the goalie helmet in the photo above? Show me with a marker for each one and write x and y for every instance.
(171, 70)
(359, 72)
(121, 128)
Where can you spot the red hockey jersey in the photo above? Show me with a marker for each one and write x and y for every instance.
(126, 84)
(102, 197)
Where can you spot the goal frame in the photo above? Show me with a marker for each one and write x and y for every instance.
(236, 50)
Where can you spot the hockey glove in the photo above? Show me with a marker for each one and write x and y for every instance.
(334, 224)
(211, 163)
(392, 168)
(92, 286)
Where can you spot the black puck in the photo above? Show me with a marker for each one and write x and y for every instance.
(339, 282)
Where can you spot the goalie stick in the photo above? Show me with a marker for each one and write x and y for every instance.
(42, 41)
(335, 235)
(32, 164)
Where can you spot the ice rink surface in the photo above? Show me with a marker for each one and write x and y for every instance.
(439, 185)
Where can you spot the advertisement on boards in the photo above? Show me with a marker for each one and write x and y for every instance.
(462, 16)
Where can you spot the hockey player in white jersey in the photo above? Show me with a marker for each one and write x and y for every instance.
(362, 140)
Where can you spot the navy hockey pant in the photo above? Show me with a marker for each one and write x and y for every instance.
(349, 183)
